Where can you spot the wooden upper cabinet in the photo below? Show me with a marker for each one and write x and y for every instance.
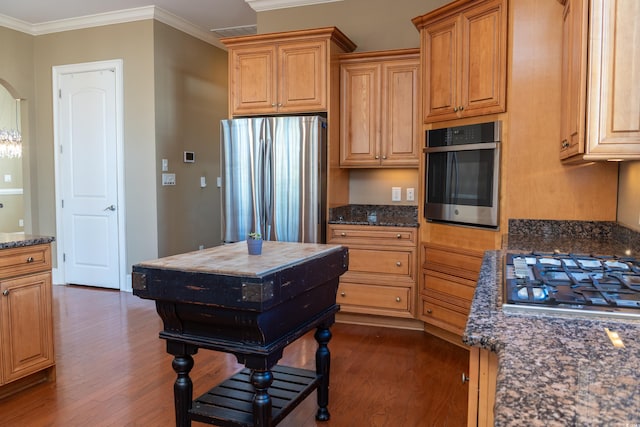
(379, 108)
(601, 115)
(282, 73)
(464, 59)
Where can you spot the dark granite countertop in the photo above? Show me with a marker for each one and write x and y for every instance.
(376, 215)
(557, 370)
(15, 240)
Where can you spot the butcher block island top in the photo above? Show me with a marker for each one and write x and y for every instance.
(233, 259)
(252, 306)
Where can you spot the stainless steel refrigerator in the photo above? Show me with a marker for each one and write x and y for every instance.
(274, 178)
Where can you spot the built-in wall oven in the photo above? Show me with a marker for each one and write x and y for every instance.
(462, 174)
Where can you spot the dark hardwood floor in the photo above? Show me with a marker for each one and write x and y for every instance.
(112, 370)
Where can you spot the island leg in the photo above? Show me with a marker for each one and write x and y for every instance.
(323, 364)
(183, 387)
(261, 381)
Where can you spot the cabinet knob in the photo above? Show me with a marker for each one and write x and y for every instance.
(460, 108)
(273, 105)
(465, 378)
(565, 143)
(30, 259)
(429, 311)
(377, 157)
(343, 234)
(398, 236)
(5, 292)
(398, 264)
(455, 109)
(384, 157)
(398, 299)
(342, 294)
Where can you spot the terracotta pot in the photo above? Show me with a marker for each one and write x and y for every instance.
(254, 246)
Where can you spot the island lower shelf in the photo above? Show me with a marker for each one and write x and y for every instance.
(231, 402)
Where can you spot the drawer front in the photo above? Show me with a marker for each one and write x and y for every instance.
(24, 260)
(445, 284)
(380, 261)
(457, 262)
(386, 297)
(372, 235)
(443, 316)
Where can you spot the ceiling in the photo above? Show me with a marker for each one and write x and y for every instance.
(195, 17)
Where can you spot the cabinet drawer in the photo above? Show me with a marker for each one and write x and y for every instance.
(456, 262)
(380, 261)
(457, 287)
(443, 315)
(367, 296)
(24, 260)
(371, 235)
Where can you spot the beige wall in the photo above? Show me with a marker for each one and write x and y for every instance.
(370, 24)
(16, 69)
(191, 99)
(133, 43)
(629, 195)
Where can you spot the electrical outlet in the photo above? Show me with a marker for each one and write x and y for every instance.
(396, 194)
(411, 195)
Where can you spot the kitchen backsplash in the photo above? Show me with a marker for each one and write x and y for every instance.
(380, 215)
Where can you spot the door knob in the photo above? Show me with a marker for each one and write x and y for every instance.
(110, 208)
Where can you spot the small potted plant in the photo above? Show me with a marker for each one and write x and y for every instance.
(254, 243)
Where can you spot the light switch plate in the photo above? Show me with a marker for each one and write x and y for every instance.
(396, 194)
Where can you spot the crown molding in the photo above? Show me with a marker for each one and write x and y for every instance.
(264, 5)
(110, 18)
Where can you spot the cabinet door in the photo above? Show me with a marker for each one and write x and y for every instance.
(400, 114)
(574, 77)
(252, 72)
(302, 77)
(614, 87)
(26, 329)
(484, 60)
(440, 44)
(359, 111)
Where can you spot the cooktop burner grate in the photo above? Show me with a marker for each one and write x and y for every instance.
(572, 282)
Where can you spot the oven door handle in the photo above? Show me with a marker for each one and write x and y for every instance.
(462, 147)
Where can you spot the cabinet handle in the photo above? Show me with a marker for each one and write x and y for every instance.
(398, 299)
(455, 109)
(384, 157)
(460, 108)
(565, 143)
(273, 105)
(398, 264)
(398, 236)
(5, 292)
(342, 294)
(30, 259)
(377, 157)
(343, 234)
(429, 311)
(465, 378)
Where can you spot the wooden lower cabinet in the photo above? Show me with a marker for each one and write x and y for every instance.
(483, 370)
(381, 279)
(26, 320)
(449, 277)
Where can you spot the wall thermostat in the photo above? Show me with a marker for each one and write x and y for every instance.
(189, 157)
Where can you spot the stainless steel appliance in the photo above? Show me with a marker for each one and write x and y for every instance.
(572, 284)
(274, 178)
(462, 174)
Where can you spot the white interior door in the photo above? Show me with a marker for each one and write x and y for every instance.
(88, 219)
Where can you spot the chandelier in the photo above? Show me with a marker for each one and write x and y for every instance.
(11, 139)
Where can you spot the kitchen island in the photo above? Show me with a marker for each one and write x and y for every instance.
(556, 370)
(251, 306)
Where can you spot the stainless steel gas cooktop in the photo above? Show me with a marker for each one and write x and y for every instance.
(572, 284)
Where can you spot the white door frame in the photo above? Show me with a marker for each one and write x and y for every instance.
(116, 66)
